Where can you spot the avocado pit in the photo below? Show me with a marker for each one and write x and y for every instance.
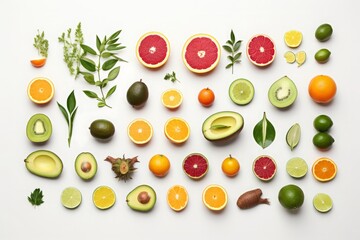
(143, 197)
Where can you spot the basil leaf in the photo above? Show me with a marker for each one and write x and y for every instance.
(113, 73)
(88, 49)
(264, 132)
(71, 102)
(109, 64)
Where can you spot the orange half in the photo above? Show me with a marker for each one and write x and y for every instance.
(41, 90)
(324, 169)
(140, 131)
(172, 98)
(215, 197)
(177, 198)
(177, 130)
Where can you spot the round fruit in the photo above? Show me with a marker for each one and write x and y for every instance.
(39, 62)
(323, 32)
(289, 57)
(71, 197)
(103, 197)
(296, 167)
(293, 38)
(201, 53)
(282, 93)
(230, 166)
(177, 130)
(300, 58)
(323, 123)
(177, 198)
(140, 131)
(291, 196)
(195, 165)
(206, 97)
(261, 50)
(322, 89)
(39, 128)
(323, 55)
(102, 129)
(324, 169)
(264, 168)
(153, 49)
(172, 98)
(159, 165)
(322, 202)
(241, 91)
(137, 94)
(323, 140)
(214, 197)
(41, 90)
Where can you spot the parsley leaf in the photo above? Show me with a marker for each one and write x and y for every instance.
(171, 77)
(36, 197)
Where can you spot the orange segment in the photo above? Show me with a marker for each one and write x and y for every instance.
(38, 62)
(215, 197)
(324, 169)
(41, 90)
(177, 130)
(177, 198)
(172, 98)
(104, 197)
(140, 131)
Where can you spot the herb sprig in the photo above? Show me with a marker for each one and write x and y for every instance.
(105, 53)
(41, 44)
(36, 197)
(171, 77)
(232, 47)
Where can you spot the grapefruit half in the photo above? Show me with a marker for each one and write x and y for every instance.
(195, 165)
(201, 53)
(153, 49)
(264, 168)
(261, 50)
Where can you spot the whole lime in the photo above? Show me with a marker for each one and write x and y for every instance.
(291, 196)
(323, 32)
(323, 140)
(323, 123)
(323, 55)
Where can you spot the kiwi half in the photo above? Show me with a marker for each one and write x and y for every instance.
(283, 92)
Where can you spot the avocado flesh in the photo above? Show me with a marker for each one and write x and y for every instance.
(39, 128)
(85, 165)
(134, 203)
(282, 93)
(44, 163)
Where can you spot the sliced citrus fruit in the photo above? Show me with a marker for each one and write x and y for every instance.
(201, 53)
(104, 197)
(140, 131)
(153, 49)
(177, 130)
(264, 168)
(215, 197)
(195, 165)
(261, 50)
(71, 197)
(290, 57)
(293, 38)
(296, 167)
(177, 198)
(172, 98)
(39, 62)
(41, 90)
(322, 202)
(241, 91)
(300, 58)
(324, 169)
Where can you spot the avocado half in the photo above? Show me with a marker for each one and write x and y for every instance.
(222, 127)
(85, 165)
(44, 163)
(142, 198)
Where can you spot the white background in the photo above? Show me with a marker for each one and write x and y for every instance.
(178, 20)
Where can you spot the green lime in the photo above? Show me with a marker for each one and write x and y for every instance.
(293, 136)
(290, 57)
(241, 91)
(71, 197)
(323, 140)
(296, 167)
(291, 196)
(322, 202)
(323, 55)
(323, 32)
(323, 123)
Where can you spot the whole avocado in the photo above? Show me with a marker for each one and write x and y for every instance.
(137, 94)
(323, 32)
(102, 129)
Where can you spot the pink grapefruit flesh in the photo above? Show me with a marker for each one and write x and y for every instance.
(153, 49)
(261, 50)
(264, 168)
(201, 53)
(195, 165)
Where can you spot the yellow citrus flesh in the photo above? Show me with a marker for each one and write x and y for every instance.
(293, 38)
(215, 197)
(177, 198)
(41, 90)
(177, 130)
(290, 57)
(172, 98)
(300, 58)
(104, 197)
(140, 131)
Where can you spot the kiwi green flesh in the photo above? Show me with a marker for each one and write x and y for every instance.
(282, 93)
(39, 128)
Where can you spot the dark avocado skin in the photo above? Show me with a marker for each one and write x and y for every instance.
(102, 129)
(137, 94)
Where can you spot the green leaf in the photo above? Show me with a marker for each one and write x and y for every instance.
(64, 113)
(229, 65)
(237, 46)
(113, 73)
(109, 64)
(106, 54)
(104, 83)
(101, 104)
(112, 41)
(229, 42)
(88, 64)
(114, 47)
(90, 94)
(227, 48)
(232, 36)
(71, 102)
(36, 197)
(98, 42)
(72, 117)
(231, 58)
(114, 35)
(293, 136)
(90, 78)
(88, 49)
(111, 91)
(98, 83)
(264, 132)
(237, 56)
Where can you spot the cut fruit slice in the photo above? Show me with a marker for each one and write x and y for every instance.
(177, 198)
(324, 169)
(40, 90)
(201, 53)
(140, 131)
(71, 197)
(264, 168)
(104, 197)
(261, 50)
(172, 98)
(296, 167)
(177, 130)
(293, 38)
(39, 62)
(153, 49)
(322, 202)
(195, 165)
(241, 91)
(300, 58)
(282, 93)
(290, 57)
(293, 136)
(215, 197)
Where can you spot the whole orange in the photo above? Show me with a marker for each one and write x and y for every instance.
(206, 97)
(159, 165)
(230, 166)
(322, 89)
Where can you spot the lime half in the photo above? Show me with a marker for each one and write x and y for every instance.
(71, 197)
(241, 91)
(322, 202)
(300, 58)
(296, 167)
(290, 57)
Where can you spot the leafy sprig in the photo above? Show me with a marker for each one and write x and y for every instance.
(69, 113)
(171, 77)
(41, 44)
(72, 51)
(232, 47)
(105, 61)
(36, 197)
